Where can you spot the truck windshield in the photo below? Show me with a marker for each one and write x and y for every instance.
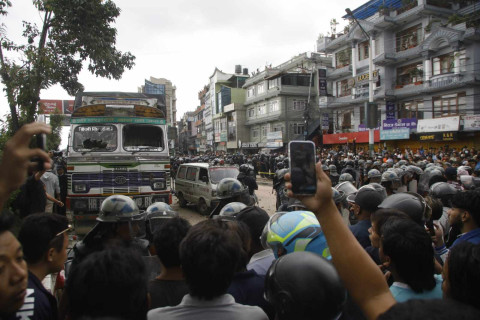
(143, 138)
(95, 138)
(218, 173)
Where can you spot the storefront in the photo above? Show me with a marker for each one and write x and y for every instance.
(250, 147)
(349, 138)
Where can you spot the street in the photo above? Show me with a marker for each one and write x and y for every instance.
(264, 193)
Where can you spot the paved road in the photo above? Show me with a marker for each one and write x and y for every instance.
(264, 193)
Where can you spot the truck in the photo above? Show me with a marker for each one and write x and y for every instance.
(117, 145)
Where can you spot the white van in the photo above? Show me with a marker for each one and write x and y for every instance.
(196, 183)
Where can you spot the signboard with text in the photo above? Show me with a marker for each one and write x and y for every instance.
(408, 123)
(395, 134)
(437, 136)
(249, 145)
(471, 123)
(349, 137)
(439, 124)
(390, 110)
(50, 106)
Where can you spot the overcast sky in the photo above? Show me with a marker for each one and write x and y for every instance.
(184, 40)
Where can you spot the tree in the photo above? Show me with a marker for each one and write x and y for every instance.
(73, 32)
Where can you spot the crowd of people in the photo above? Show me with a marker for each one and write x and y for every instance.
(395, 236)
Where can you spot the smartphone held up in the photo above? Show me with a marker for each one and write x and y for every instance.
(302, 167)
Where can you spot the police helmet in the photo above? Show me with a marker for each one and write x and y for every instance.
(346, 187)
(230, 211)
(415, 170)
(333, 170)
(374, 173)
(338, 196)
(325, 167)
(389, 176)
(296, 205)
(411, 203)
(292, 231)
(303, 285)
(119, 208)
(281, 173)
(443, 191)
(157, 213)
(244, 168)
(280, 165)
(346, 177)
(229, 188)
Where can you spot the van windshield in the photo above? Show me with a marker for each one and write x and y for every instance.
(143, 138)
(219, 173)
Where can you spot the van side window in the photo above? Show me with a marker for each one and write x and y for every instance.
(192, 174)
(181, 172)
(203, 173)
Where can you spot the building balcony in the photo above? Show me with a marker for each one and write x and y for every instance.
(359, 96)
(263, 119)
(340, 72)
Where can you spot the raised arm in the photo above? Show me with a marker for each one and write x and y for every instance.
(362, 278)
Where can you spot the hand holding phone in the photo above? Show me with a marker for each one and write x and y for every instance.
(302, 167)
(41, 144)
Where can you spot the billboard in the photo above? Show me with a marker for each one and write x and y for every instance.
(50, 106)
(68, 106)
(439, 124)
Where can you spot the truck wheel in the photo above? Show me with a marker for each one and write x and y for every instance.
(203, 208)
(181, 201)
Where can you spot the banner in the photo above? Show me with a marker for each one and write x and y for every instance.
(349, 137)
(390, 110)
(409, 123)
(471, 123)
(249, 145)
(395, 134)
(325, 121)
(50, 106)
(439, 124)
(68, 106)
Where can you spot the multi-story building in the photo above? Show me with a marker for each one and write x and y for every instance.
(282, 102)
(426, 56)
(187, 134)
(166, 93)
(223, 101)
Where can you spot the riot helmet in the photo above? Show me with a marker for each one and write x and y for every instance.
(230, 211)
(443, 191)
(303, 285)
(119, 208)
(346, 177)
(156, 214)
(374, 175)
(346, 187)
(333, 170)
(410, 203)
(229, 188)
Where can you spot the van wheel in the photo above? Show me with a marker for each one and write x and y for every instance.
(181, 200)
(203, 208)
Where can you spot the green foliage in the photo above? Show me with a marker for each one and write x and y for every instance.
(54, 139)
(73, 32)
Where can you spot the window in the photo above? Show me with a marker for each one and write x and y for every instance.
(347, 120)
(203, 173)
(411, 109)
(251, 92)
(95, 138)
(274, 106)
(444, 64)
(463, 60)
(264, 130)
(192, 174)
(409, 38)
(299, 105)
(298, 128)
(251, 113)
(274, 83)
(277, 127)
(294, 79)
(260, 88)
(262, 109)
(343, 58)
(255, 133)
(182, 172)
(137, 137)
(449, 105)
(362, 115)
(409, 74)
(363, 51)
(344, 88)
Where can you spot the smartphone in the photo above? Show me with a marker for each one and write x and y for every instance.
(41, 144)
(302, 167)
(431, 228)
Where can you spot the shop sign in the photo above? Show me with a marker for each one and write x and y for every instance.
(363, 78)
(322, 82)
(249, 145)
(439, 124)
(217, 137)
(408, 123)
(471, 123)
(362, 127)
(438, 136)
(395, 134)
(349, 137)
(325, 121)
(274, 144)
(223, 136)
(390, 110)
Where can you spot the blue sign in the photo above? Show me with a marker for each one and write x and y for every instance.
(409, 123)
(390, 110)
(395, 134)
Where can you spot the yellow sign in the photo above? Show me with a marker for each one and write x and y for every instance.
(365, 76)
